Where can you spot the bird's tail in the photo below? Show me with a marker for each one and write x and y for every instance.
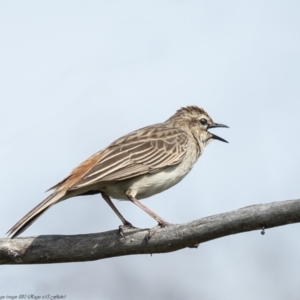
(30, 217)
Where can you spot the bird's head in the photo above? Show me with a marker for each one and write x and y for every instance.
(199, 122)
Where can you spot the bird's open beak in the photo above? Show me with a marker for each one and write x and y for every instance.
(215, 137)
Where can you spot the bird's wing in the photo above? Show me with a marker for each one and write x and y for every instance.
(140, 152)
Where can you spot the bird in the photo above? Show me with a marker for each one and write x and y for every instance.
(138, 165)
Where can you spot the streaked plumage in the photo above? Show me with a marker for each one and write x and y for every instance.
(138, 165)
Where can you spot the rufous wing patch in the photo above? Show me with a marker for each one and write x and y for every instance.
(78, 172)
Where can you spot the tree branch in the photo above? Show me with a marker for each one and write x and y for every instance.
(87, 247)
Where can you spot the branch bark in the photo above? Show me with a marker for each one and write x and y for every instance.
(86, 247)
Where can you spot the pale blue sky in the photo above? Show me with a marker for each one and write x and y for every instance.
(77, 75)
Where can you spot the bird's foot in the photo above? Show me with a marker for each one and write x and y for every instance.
(151, 231)
(125, 226)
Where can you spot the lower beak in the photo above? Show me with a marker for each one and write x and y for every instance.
(215, 137)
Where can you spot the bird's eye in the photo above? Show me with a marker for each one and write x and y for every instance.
(203, 121)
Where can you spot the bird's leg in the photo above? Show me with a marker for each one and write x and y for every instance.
(156, 217)
(161, 222)
(124, 221)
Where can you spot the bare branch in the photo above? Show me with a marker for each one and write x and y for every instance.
(87, 247)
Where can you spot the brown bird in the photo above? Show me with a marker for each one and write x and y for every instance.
(136, 166)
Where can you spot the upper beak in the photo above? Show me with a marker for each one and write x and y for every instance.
(215, 137)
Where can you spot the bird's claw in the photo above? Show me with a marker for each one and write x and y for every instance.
(151, 231)
(125, 226)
